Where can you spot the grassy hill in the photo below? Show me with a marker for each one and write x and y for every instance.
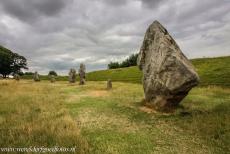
(212, 71)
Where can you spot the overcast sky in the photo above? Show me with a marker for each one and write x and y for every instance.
(60, 34)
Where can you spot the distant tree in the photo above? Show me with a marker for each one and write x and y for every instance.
(113, 65)
(10, 62)
(130, 61)
(133, 60)
(52, 73)
(125, 63)
(21, 73)
(28, 73)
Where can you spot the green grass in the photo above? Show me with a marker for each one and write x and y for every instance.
(32, 114)
(212, 71)
(98, 121)
(116, 122)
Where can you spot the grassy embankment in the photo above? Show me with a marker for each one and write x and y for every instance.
(100, 121)
(212, 71)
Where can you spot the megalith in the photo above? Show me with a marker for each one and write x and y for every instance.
(36, 77)
(52, 78)
(16, 77)
(109, 84)
(81, 73)
(72, 75)
(168, 75)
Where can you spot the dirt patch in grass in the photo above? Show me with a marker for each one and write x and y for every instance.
(147, 109)
(98, 93)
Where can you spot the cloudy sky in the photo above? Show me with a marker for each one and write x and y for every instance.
(60, 34)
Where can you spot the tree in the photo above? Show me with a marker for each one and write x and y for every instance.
(130, 61)
(28, 73)
(113, 65)
(52, 73)
(133, 60)
(10, 62)
(125, 63)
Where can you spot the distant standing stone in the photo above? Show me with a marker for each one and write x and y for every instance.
(36, 77)
(81, 72)
(168, 75)
(52, 78)
(16, 77)
(109, 84)
(72, 75)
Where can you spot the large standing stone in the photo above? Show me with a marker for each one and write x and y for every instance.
(168, 75)
(16, 77)
(81, 72)
(109, 84)
(52, 78)
(72, 75)
(36, 77)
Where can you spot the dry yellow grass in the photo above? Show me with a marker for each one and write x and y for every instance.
(32, 114)
(100, 121)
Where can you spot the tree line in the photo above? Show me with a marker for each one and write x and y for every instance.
(130, 61)
(11, 63)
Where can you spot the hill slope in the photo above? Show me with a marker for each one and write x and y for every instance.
(212, 71)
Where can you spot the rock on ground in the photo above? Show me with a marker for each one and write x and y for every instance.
(81, 72)
(168, 75)
(109, 84)
(72, 75)
(36, 77)
(52, 78)
(16, 77)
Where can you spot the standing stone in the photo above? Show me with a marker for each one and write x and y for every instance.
(81, 72)
(16, 77)
(168, 75)
(36, 77)
(52, 78)
(72, 75)
(109, 84)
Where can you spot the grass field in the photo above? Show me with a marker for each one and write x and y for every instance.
(212, 71)
(99, 121)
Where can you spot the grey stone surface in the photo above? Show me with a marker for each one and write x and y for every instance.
(81, 72)
(72, 75)
(36, 77)
(16, 77)
(168, 75)
(109, 84)
(52, 78)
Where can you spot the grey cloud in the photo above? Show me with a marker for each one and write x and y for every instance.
(31, 10)
(115, 2)
(67, 32)
(151, 3)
